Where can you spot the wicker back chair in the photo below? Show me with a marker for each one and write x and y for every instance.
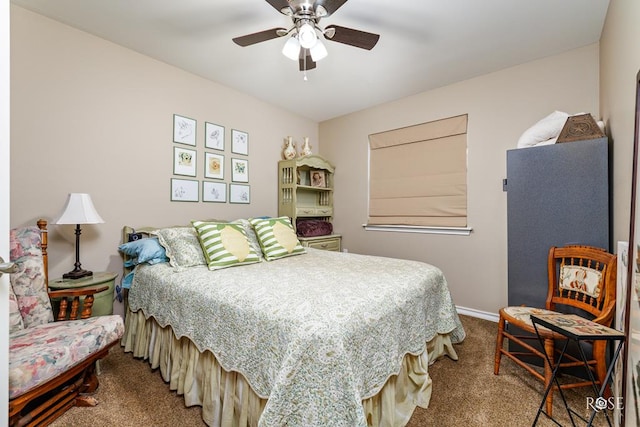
(581, 279)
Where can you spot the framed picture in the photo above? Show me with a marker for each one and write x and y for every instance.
(239, 193)
(184, 190)
(213, 166)
(213, 136)
(214, 192)
(239, 170)
(318, 178)
(184, 161)
(184, 130)
(239, 142)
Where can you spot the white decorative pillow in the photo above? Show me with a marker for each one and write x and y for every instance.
(277, 237)
(224, 244)
(544, 130)
(182, 246)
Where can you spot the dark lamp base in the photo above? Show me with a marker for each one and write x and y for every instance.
(77, 274)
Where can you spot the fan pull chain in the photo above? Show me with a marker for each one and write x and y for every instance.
(305, 67)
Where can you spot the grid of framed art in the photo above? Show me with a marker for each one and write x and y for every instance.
(214, 187)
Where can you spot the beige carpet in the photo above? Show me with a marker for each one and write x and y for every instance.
(465, 393)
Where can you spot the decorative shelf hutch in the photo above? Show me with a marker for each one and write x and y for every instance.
(302, 196)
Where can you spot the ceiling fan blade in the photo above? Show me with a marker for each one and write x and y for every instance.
(261, 36)
(279, 4)
(330, 5)
(310, 63)
(352, 37)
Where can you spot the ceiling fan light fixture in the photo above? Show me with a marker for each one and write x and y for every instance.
(318, 51)
(306, 38)
(291, 48)
(307, 35)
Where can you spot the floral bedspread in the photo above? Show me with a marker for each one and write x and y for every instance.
(315, 333)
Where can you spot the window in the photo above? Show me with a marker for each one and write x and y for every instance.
(418, 175)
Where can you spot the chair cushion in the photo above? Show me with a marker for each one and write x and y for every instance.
(15, 319)
(521, 317)
(40, 353)
(29, 282)
(582, 279)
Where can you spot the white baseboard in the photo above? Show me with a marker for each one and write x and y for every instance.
(493, 317)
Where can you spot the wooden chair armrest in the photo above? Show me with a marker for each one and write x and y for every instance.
(74, 295)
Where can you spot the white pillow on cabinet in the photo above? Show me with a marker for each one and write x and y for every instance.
(544, 130)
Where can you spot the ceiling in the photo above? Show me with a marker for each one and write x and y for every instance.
(423, 44)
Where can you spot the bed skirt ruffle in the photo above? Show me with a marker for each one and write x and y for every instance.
(227, 399)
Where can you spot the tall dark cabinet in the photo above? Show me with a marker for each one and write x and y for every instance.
(556, 194)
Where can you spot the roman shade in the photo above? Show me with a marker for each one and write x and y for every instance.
(418, 175)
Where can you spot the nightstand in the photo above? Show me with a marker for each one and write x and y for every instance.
(331, 242)
(103, 302)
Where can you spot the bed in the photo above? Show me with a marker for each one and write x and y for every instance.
(317, 339)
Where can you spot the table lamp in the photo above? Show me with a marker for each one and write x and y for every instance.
(79, 210)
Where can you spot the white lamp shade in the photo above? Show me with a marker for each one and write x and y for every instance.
(79, 210)
(291, 49)
(307, 36)
(318, 51)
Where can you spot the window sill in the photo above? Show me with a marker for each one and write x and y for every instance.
(456, 231)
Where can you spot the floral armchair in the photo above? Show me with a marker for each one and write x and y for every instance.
(51, 364)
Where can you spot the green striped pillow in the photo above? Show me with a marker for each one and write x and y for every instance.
(224, 244)
(277, 238)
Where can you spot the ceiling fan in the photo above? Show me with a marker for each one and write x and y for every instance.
(304, 43)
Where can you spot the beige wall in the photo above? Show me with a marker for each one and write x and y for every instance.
(95, 117)
(91, 116)
(619, 65)
(501, 106)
